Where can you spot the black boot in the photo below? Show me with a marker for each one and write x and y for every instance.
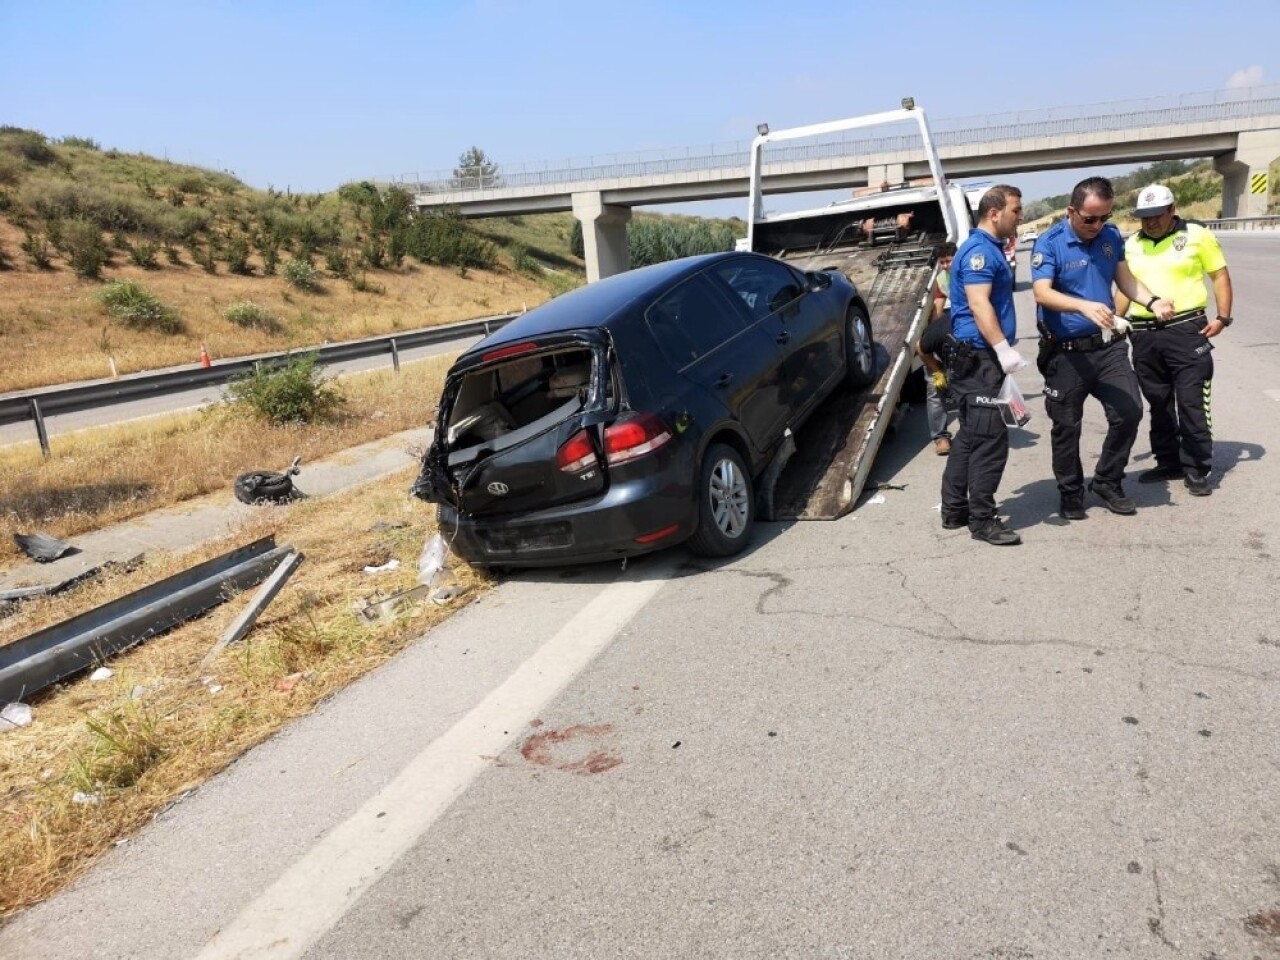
(1113, 496)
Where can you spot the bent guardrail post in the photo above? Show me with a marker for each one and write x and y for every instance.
(41, 433)
(34, 662)
(249, 615)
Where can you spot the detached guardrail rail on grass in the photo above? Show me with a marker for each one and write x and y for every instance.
(35, 405)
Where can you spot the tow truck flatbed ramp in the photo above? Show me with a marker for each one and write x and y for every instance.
(836, 447)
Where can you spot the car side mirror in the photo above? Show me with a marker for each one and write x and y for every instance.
(818, 280)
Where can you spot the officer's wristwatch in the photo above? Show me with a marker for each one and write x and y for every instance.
(1225, 321)
(1150, 302)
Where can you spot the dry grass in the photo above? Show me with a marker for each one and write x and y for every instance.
(102, 476)
(139, 741)
(54, 330)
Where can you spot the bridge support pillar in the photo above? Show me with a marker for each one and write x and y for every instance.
(604, 235)
(1240, 169)
(879, 174)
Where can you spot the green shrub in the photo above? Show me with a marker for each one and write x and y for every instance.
(445, 239)
(36, 247)
(86, 249)
(31, 146)
(87, 143)
(655, 241)
(268, 245)
(137, 307)
(173, 254)
(301, 274)
(362, 284)
(293, 393)
(335, 261)
(143, 255)
(204, 253)
(236, 253)
(251, 316)
(374, 253)
(523, 261)
(10, 169)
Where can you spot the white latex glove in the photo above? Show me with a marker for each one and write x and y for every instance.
(1119, 327)
(1010, 360)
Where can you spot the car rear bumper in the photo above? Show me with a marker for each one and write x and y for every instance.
(606, 527)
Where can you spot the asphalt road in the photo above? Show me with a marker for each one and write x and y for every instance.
(863, 739)
(193, 399)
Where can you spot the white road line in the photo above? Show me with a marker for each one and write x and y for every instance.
(314, 894)
(1271, 394)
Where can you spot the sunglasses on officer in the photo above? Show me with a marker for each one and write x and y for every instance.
(1089, 221)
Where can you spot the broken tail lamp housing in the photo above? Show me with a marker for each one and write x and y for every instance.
(626, 440)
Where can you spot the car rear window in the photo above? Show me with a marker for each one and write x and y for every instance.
(692, 320)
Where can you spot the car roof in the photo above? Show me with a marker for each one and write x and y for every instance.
(603, 303)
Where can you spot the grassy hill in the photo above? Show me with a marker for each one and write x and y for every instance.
(1196, 187)
(74, 218)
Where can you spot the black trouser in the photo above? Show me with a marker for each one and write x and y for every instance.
(980, 450)
(1069, 378)
(1175, 371)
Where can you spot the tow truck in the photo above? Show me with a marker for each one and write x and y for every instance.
(884, 239)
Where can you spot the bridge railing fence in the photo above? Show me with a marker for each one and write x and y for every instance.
(1202, 107)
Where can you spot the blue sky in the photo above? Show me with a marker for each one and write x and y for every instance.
(310, 95)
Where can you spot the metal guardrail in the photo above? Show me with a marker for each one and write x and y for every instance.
(1244, 223)
(1203, 107)
(30, 664)
(35, 405)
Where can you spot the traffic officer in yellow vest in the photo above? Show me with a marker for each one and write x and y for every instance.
(1173, 359)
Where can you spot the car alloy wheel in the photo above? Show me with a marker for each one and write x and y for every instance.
(726, 504)
(861, 348)
(730, 501)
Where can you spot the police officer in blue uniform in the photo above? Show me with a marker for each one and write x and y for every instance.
(984, 326)
(1073, 266)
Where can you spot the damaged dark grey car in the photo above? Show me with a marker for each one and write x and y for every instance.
(638, 412)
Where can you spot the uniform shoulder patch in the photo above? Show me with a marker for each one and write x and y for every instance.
(977, 261)
(1037, 259)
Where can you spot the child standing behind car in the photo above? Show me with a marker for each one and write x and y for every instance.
(935, 380)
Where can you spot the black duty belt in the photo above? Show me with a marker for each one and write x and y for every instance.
(1151, 323)
(1086, 344)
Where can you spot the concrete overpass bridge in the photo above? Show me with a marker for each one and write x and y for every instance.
(1238, 129)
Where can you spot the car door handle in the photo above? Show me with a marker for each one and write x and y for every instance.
(723, 380)
(784, 337)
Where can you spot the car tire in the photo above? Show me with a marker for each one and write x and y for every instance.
(263, 486)
(726, 504)
(860, 348)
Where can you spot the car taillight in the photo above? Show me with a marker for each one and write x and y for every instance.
(576, 454)
(634, 437)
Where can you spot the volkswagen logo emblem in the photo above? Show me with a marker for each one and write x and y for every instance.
(499, 489)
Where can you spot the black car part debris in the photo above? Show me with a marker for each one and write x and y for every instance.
(259, 486)
(34, 662)
(14, 595)
(41, 547)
